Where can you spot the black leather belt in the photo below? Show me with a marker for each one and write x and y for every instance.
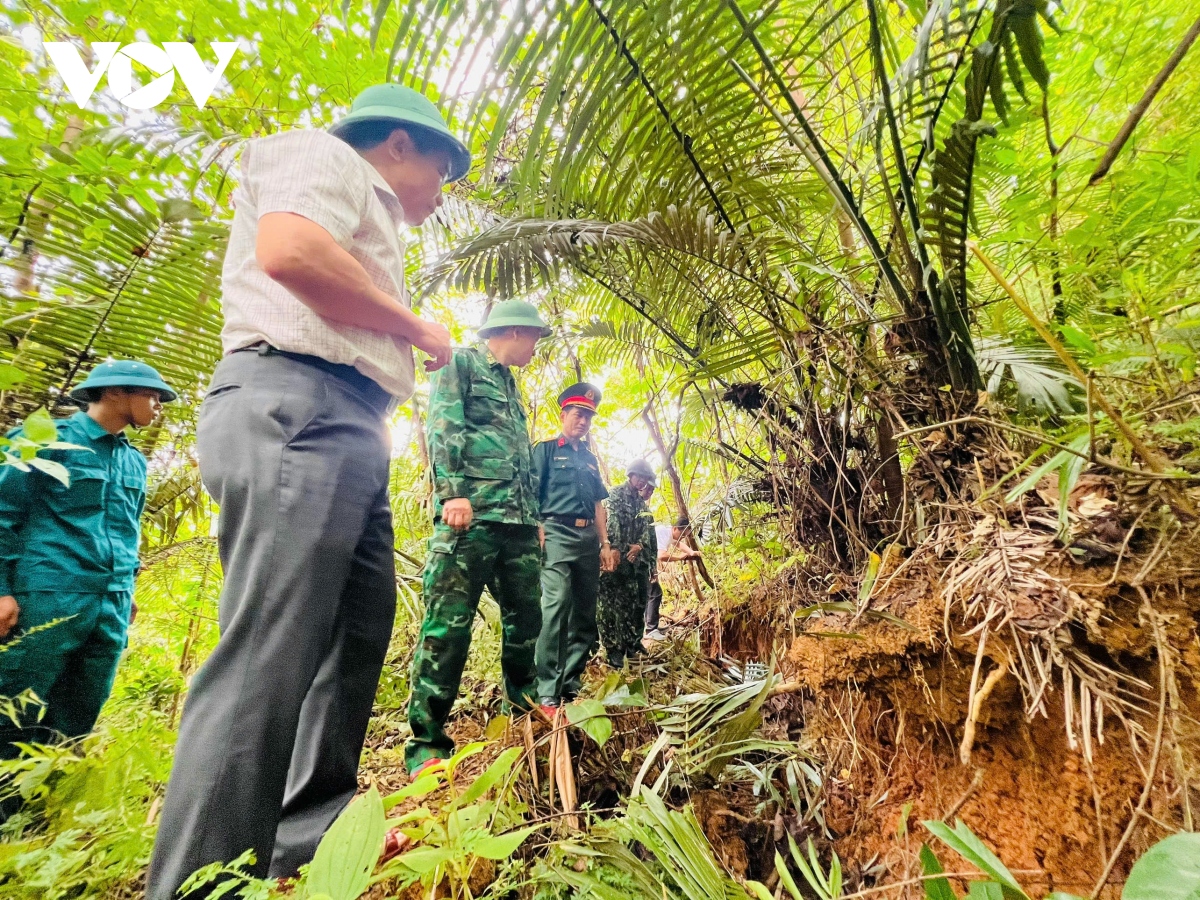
(367, 386)
(569, 521)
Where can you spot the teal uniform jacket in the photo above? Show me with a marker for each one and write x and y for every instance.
(81, 537)
(69, 554)
(569, 486)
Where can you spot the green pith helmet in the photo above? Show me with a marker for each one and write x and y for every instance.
(401, 104)
(121, 373)
(641, 468)
(510, 313)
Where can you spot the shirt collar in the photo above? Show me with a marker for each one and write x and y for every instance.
(490, 357)
(385, 194)
(94, 430)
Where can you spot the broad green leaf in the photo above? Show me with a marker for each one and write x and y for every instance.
(422, 787)
(985, 890)
(349, 850)
(1077, 338)
(496, 727)
(501, 846)
(10, 376)
(589, 716)
(494, 773)
(457, 759)
(1170, 870)
(40, 427)
(55, 470)
(965, 843)
(424, 859)
(759, 890)
(935, 888)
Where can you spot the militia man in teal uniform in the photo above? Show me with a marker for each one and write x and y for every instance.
(576, 546)
(486, 526)
(69, 552)
(621, 603)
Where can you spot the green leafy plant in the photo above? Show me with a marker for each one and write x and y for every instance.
(1000, 883)
(678, 861)
(38, 433)
(826, 885)
(1170, 870)
(468, 823)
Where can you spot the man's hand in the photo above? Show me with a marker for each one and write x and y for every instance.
(434, 339)
(9, 611)
(457, 513)
(634, 551)
(542, 536)
(304, 258)
(609, 557)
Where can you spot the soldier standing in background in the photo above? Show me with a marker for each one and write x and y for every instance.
(621, 604)
(573, 521)
(69, 554)
(647, 568)
(485, 527)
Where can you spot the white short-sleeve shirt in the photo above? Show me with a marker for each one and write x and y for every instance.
(318, 176)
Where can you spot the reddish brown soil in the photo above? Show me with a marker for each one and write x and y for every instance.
(885, 714)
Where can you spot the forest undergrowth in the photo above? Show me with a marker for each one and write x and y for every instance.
(901, 298)
(1000, 681)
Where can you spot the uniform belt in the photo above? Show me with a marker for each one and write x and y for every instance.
(570, 521)
(372, 391)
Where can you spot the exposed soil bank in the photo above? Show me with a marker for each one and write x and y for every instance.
(885, 714)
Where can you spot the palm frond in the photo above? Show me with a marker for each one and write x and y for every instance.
(114, 279)
(1038, 376)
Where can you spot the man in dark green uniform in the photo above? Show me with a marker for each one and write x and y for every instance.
(485, 526)
(573, 520)
(69, 552)
(621, 604)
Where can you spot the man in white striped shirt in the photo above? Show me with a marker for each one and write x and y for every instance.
(293, 444)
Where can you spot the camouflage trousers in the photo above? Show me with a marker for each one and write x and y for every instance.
(507, 560)
(621, 613)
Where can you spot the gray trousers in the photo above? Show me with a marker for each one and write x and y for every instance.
(275, 720)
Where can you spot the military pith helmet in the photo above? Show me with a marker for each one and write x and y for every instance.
(121, 373)
(404, 106)
(641, 469)
(580, 394)
(510, 313)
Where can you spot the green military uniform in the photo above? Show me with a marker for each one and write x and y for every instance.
(69, 554)
(569, 488)
(479, 448)
(621, 603)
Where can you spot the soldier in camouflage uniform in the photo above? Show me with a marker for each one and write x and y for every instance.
(485, 526)
(647, 563)
(621, 604)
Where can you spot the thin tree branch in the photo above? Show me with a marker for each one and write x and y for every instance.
(1140, 108)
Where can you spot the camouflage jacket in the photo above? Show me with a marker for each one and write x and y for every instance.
(479, 443)
(630, 522)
